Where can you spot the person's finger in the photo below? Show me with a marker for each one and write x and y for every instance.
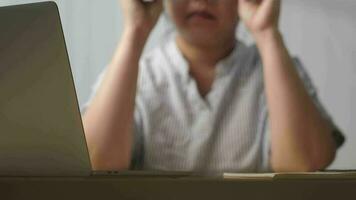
(157, 6)
(247, 8)
(270, 7)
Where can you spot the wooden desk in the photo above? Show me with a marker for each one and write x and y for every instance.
(165, 188)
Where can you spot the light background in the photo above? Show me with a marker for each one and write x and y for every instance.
(320, 32)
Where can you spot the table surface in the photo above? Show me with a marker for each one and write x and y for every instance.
(116, 187)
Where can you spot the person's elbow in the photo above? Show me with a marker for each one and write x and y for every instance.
(323, 157)
(314, 159)
(107, 164)
(102, 160)
(105, 155)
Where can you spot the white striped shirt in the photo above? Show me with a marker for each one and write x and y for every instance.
(176, 129)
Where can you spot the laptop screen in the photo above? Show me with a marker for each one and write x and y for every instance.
(41, 132)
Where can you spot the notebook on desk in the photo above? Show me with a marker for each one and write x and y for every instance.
(330, 174)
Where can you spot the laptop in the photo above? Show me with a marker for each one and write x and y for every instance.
(41, 131)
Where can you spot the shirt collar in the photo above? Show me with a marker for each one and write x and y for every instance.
(176, 57)
(223, 67)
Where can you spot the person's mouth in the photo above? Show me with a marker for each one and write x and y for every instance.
(202, 15)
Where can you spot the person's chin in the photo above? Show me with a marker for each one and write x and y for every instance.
(202, 39)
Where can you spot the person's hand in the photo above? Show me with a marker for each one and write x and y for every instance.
(260, 16)
(141, 15)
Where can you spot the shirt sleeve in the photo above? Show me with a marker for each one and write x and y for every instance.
(309, 86)
(137, 147)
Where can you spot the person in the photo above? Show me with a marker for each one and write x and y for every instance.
(204, 101)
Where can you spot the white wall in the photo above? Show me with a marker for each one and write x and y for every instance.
(320, 32)
(92, 29)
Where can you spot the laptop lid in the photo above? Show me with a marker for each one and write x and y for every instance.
(41, 132)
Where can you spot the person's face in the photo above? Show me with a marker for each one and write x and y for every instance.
(204, 22)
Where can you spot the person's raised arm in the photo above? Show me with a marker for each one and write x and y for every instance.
(108, 121)
(301, 139)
